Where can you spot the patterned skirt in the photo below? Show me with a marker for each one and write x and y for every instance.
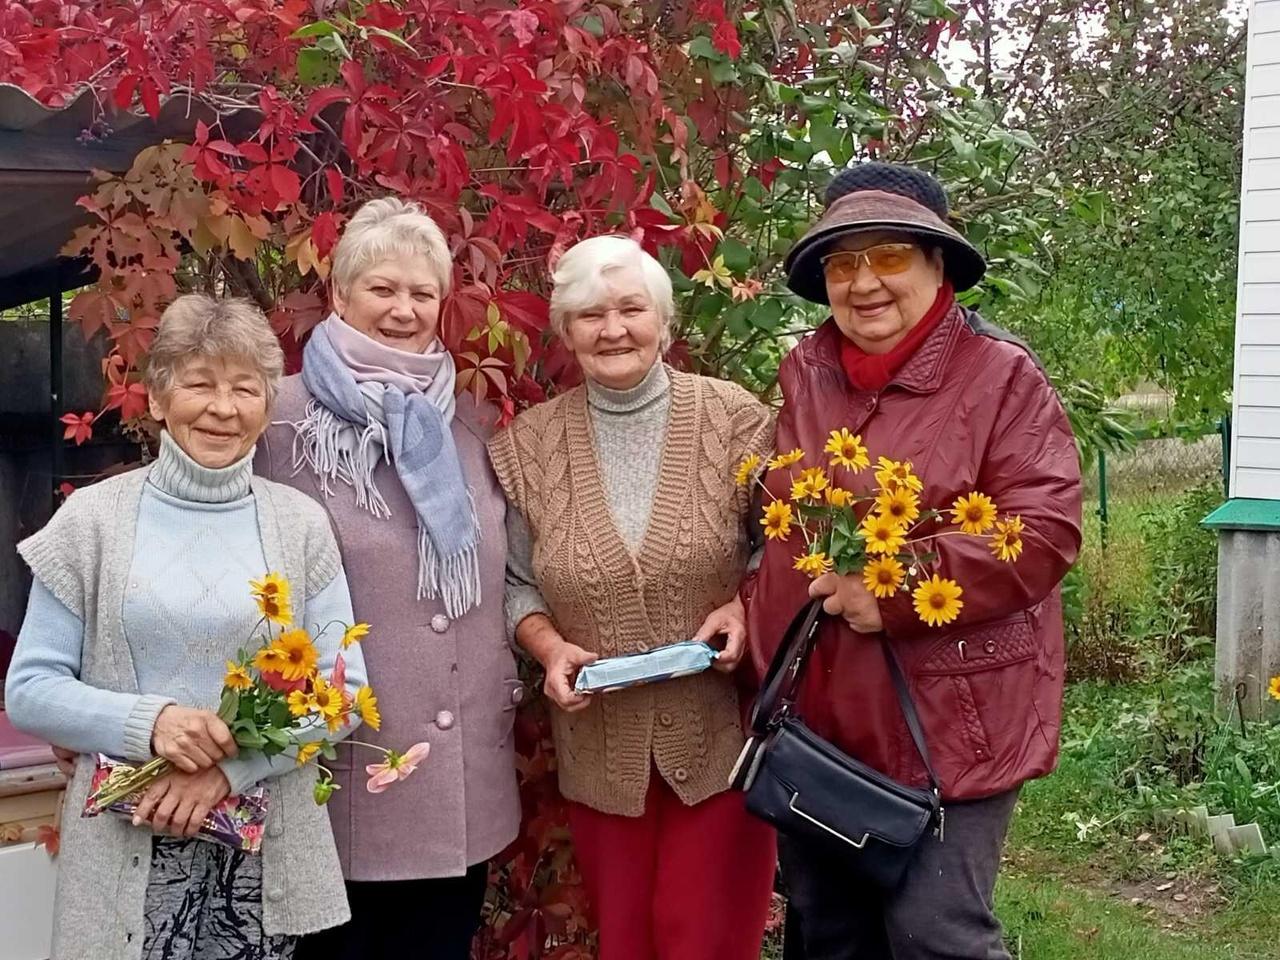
(204, 902)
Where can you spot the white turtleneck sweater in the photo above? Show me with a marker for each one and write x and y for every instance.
(187, 611)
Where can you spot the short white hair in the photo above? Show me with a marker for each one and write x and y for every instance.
(580, 278)
(387, 228)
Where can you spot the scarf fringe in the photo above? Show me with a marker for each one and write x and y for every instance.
(317, 444)
(456, 577)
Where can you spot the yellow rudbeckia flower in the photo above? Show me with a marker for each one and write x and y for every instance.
(300, 703)
(298, 653)
(272, 596)
(270, 660)
(1274, 688)
(937, 601)
(783, 460)
(237, 677)
(892, 474)
(813, 564)
(883, 534)
(367, 707)
(777, 520)
(747, 470)
(883, 576)
(839, 497)
(1006, 542)
(975, 513)
(307, 750)
(354, 634)
(846, 450)
(901, 505)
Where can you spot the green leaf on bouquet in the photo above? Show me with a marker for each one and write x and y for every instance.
(229, 705)
(248, 705)
(327, 750)
(278, 714)
(247, 734)
(277, 741)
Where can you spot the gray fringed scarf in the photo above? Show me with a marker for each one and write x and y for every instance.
(372, 402)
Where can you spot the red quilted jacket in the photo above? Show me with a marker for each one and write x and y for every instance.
(972, 410)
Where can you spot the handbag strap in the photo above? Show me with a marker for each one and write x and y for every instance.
(782, 680)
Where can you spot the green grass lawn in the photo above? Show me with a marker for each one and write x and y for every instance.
(1060, 897)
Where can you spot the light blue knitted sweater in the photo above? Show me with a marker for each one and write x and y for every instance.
(187, 611)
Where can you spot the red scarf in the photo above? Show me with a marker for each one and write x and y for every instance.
(873, 371)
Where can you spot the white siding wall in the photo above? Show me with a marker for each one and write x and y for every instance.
(1255, 456)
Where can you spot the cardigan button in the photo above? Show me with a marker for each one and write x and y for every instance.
(439, 623)
(444, 719)
(681, 774)
(517, 695)
(275, 830)
(665, 719)
(275, 894)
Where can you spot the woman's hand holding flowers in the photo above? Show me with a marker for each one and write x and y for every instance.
(729, 620)
(178, 803)
(848, 597)
(191, 739)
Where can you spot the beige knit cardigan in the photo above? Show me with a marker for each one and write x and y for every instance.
(608, 600)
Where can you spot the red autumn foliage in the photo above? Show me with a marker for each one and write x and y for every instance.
(521, 126)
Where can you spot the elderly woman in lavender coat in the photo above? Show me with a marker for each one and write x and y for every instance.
(373, 431)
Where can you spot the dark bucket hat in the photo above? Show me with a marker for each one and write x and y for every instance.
(882, 196)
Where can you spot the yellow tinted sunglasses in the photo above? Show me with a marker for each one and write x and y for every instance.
(884, 259)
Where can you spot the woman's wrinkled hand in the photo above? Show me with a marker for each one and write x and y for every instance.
(65, 759)
(178, 803)
(562, 663)
(848, 597)
(191, 739)
(731, 621)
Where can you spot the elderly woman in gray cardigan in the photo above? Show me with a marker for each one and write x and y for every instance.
(373, 431)
(140, 597)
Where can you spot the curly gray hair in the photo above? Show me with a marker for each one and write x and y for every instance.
(197, 325)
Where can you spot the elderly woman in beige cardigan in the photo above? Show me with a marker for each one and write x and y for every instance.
(627, 533)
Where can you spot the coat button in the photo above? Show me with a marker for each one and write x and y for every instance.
(681, 774)
(444, 719)
(665, 719)
(439, 623)
(517, 695)
(275, 894)
(990, 647)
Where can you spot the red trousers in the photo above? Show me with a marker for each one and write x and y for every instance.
(678, 883)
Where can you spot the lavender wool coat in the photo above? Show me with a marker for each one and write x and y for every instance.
(449, 682)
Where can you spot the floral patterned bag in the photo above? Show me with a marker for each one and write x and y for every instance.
(237, 822)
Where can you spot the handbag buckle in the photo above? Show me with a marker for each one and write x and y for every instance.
(856, 844)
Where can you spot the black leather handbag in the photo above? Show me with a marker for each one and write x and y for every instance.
(820, 796)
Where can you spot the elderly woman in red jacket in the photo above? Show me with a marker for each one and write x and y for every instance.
(925, 380)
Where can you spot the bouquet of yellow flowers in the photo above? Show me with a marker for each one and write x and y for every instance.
(275, 700)
(882, 532)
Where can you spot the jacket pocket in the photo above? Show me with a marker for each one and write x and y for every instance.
(987, 670)
(983, 646)
(513, 695)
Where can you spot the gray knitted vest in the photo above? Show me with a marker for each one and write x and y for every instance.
(82, 556)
